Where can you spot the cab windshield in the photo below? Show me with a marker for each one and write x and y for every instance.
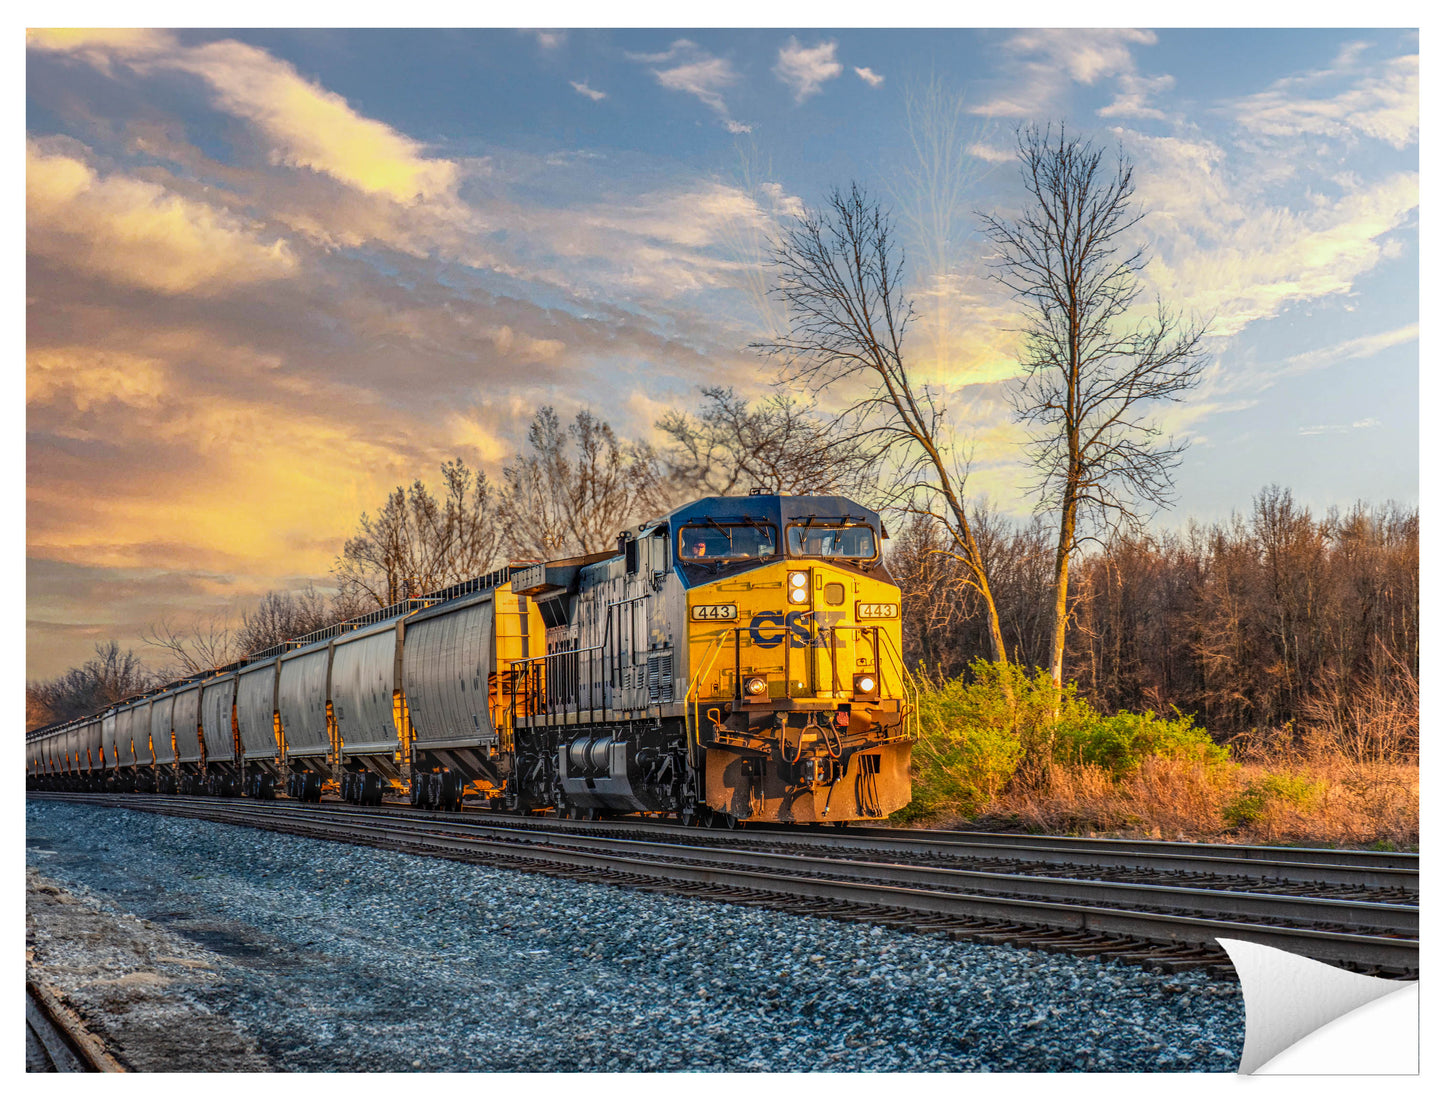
(712, 542)
(832, 541)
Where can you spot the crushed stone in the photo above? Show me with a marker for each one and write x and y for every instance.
(339, 957)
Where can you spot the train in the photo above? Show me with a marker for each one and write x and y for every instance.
(738, 660)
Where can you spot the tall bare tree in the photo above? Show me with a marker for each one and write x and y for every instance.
(840, 274)
(1093, 366)
(779, 444)
(417, 543)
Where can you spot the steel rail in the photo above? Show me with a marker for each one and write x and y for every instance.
(800, 877)
(1352, 869)
(1393, 918)
(69, 1047)
(1284, 854)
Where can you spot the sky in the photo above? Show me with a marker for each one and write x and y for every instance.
(272, 274)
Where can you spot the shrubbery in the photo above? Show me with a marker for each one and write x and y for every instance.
(978, 733)
(1271, 793)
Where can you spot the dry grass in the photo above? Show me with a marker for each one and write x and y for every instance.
(1289, 796)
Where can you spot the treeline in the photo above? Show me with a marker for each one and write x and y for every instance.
(1277, 620)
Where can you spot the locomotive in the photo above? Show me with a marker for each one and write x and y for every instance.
(737, 660)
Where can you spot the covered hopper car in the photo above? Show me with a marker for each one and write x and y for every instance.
(738, 659)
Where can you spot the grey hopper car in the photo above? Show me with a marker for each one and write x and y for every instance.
(304, 687)
(186, 723)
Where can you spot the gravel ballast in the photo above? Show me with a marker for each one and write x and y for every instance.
(339, 957)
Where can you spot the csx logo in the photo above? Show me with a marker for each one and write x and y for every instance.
(802, 628)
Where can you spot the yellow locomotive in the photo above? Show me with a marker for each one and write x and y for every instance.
(739, 659)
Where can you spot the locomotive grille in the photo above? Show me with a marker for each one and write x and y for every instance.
(659, 677)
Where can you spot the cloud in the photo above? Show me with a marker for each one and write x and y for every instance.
(1048, 61)
(805, 69)
(1381, 103)
(697, 73)
(1360, 347)
(591, 93)
(1338, 429)
(990, 154)
(873, 79)
(705, 78)
(88, 378)
(135, 232)
(1258, 258)
(548, 40)
(1132, 98)
(303, 124)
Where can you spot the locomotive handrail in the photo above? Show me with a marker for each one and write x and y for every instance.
(703, 669)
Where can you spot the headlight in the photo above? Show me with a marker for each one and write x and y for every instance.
(798, 587)
(864, 684)
(756, 686)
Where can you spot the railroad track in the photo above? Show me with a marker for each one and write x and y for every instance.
(1126, 904)
(55, 1041)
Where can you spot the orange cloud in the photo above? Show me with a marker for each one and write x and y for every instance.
(137, 233)
(85, 378)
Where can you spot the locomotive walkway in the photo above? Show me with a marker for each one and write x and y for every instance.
(1155, 903)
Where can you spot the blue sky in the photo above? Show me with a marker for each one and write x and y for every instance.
(273, 273)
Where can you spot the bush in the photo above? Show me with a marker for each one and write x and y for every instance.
(974, 740)
(1121, 743)
(1271, 793)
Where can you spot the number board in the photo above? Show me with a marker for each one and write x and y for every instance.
(714, 611)
(877, 611)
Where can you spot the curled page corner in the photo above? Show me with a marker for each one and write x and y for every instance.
(1287, 997)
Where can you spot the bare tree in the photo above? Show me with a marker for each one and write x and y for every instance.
(839, 273)
(417, 543)
(575, 489)
(779, 445)
(110, 676)
(1091, 367)
(284, 615)
(206, 643)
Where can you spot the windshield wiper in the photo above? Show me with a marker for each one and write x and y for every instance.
(765, 530)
